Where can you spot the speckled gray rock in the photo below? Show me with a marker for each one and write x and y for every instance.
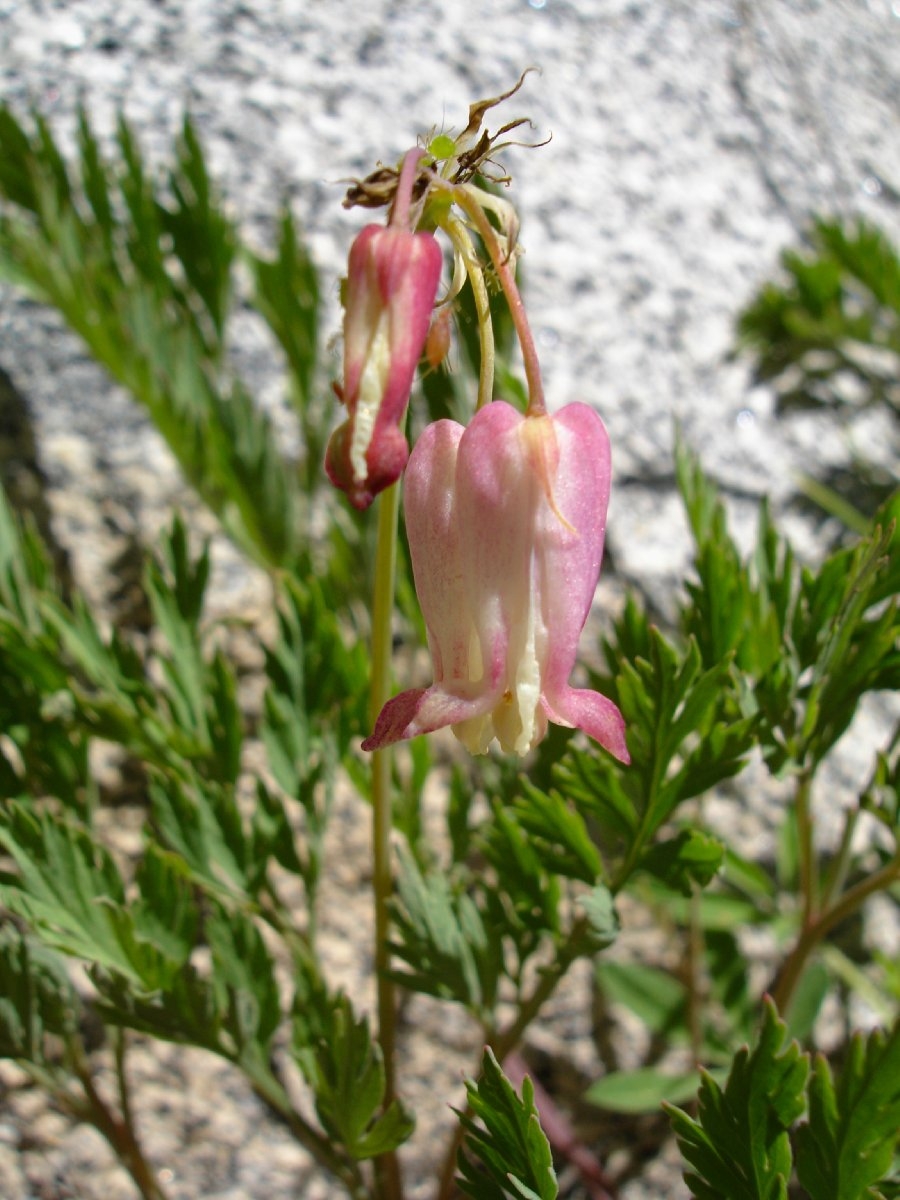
(691, 141)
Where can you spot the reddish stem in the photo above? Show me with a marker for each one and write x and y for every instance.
(501, 263)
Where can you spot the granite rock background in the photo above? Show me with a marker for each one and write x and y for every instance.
(691, 142)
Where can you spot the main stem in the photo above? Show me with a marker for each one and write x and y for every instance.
(382, 816)
(815, 931)
(809, 881)
(117, 1130)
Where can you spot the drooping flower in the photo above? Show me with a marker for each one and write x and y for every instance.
(506, 520)
(392, 281)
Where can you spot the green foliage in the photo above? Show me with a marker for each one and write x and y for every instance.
(192, 715)
(69, 888)
(559, 833)
(203, 825)
(684, 736)
(512, 1152)
(842, 297)
(848, 1144)
(143, 271)
(828, 336)
(37, 999)
(526, 900)
(689, 858)
(200, 694)
(448, 947)
(40, 749)
(171, 941)
(642, 1090)
(243, 979)
(745, 1138)
(231, 1007)
(738, 1145)
(809, 644)
(736, 609)
(314, 703)
(346, 1072)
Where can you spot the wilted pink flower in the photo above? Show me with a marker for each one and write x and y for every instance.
(506, 521)
(392, 280)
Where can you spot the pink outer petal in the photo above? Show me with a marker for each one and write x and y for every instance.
(434, 543)
(364, 305)
(409, 276)
(393, 271)
(594, 714)
(496, 495)
(568, 560)
(424, 710)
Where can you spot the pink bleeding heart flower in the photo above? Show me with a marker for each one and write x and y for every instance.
(506, 520)
(392, 281)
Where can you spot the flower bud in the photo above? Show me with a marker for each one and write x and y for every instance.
(437, 343)
(506, 520)
(392, 280)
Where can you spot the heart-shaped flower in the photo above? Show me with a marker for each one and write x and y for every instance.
(506, 519)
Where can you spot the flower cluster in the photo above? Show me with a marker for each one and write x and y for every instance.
(505, 516)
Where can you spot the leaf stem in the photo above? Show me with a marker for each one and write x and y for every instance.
(387, 1166)
(118, 1130)
(696, 982)
(808, 878)
(813, 932)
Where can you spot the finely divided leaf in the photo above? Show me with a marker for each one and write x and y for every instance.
(558, 834)
(70, 890)
(690, 858)
(511, 1152)
(36, 997)
(738, 1145)
(143, 272)
(347, 1075)
(441, 936)
(848, 1144)
(685, 734)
